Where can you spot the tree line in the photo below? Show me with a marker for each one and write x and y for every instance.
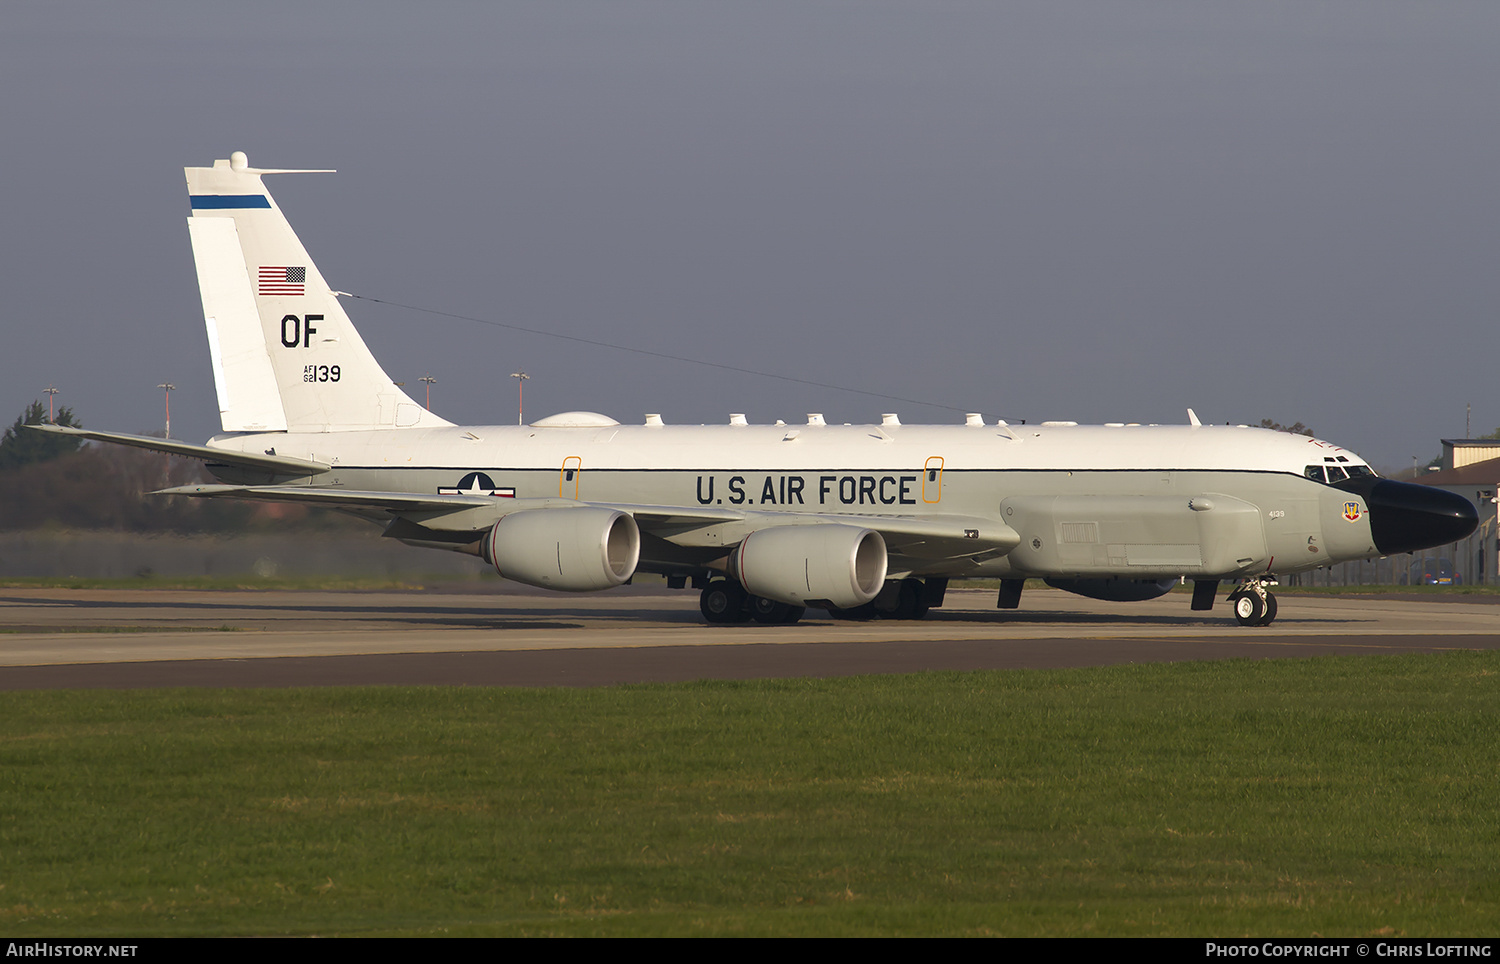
(55, 481)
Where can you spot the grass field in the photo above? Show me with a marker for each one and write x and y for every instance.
(1348, 796)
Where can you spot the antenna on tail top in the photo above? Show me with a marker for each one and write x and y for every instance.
(239, 162)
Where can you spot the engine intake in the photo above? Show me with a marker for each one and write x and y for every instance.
(576, 550)
(816, 565)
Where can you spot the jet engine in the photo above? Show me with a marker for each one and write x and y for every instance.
(577, 550)
(816, 565)
(1115, 590)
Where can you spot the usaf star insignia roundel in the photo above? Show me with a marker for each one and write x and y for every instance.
(477, 483)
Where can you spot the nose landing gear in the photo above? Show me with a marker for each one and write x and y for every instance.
(1253, 603)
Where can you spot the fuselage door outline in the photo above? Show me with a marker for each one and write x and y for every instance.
(932, 480)
(569, 477)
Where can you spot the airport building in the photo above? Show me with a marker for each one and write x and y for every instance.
(1470, 468)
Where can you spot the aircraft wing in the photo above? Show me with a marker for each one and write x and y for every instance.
(655, 517)
(933, 537)
(917, 537)
(938, 536)
(279, 464)
(339, 498)
(649, 516)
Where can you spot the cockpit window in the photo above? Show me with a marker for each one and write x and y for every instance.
(1336, 473)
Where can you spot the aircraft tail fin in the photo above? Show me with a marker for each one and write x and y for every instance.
(286, 357)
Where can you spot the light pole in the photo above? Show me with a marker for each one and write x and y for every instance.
(520, 378)
(167, 389)
(428, 380)
(50, 392)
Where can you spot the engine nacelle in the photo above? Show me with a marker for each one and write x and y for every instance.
(815, 565)
(1115, 590)
(577, 550)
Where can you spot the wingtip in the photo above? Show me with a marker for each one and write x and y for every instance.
(199, 489)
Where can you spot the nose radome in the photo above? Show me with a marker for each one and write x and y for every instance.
(1406, 517)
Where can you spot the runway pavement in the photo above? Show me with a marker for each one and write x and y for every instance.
(58, 638)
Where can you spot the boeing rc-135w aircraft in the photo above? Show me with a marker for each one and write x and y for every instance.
(764, 519)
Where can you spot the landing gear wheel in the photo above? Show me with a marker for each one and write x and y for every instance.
(919, 592)
(772, 613)
(911, 601)
(1253, 603)
(1249, 608)
(723, 601)
(1270, 611)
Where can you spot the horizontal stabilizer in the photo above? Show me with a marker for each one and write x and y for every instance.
(280, 464)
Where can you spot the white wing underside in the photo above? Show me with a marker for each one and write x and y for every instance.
(944, 536)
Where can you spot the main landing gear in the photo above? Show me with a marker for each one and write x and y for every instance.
(1253, 603)
(726, 601)
(899, 599)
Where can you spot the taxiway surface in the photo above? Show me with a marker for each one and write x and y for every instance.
(52, 638)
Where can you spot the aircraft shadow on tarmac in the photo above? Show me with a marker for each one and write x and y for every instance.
(1060, 617)
(565, 615)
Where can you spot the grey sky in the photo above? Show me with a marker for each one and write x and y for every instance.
(1097, 211)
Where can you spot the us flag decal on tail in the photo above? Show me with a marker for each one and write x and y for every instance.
(282, 280)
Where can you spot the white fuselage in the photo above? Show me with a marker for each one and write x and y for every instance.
(1085, 500)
